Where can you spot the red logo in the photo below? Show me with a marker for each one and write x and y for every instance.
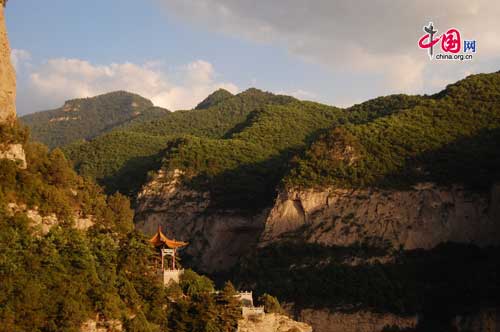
(451, 42)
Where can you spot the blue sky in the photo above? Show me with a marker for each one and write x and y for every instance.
(176, 52)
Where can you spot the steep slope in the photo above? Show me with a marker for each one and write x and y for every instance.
(369, 208)
(89, 117)
(217, 191)
(216, 120)
(361, 216)
(99, 158)
(119, 160)
(454, 132)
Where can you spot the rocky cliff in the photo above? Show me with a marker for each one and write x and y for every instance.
(7, 76)
(13, 152)
(8, 150)
(421, 217)
(271, 323)
(217, 238)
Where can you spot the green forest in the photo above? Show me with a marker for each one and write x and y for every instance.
(451, 279)
(242, 147)
(89, 117)
(450, 138)
(57, 280)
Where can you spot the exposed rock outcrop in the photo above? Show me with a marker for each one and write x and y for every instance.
(361, 321)
(14, 152)
(7, 76)
(422, 217)
(8, 95)
(271, 323)
(419, 218)
(45, 223)
(217, 238)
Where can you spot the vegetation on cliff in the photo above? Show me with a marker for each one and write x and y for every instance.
(12, 134)
(237, 147)
(240, 148)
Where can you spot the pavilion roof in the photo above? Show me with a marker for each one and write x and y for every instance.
(160, 239)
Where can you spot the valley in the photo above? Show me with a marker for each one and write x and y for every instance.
(117, 215)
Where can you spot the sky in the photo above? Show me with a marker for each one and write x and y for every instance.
(176, 52)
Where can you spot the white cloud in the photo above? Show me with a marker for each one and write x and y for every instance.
(19, 57)
(60, 79)
(356, 36)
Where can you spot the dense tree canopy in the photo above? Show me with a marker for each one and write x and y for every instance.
(449, 138)
(87, 118)
(56, 280)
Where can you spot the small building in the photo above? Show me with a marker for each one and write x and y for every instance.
(167, 252)
(247, 307)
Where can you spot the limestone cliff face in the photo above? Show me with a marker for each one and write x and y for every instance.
(272, 323)
(422, 217)
(217, 238)
(7, 76)
(419, 218)
(361, 321)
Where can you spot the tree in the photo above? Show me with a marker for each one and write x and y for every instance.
(230, 311)
(270, 303)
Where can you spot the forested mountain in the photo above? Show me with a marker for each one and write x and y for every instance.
(214, 98)
(121, 159)
(246, 149)
(447, 138)
(387, 209)
(245, 141)
(87, 118)
(240, 147)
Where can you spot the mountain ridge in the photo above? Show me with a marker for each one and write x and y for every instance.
(86, 118)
